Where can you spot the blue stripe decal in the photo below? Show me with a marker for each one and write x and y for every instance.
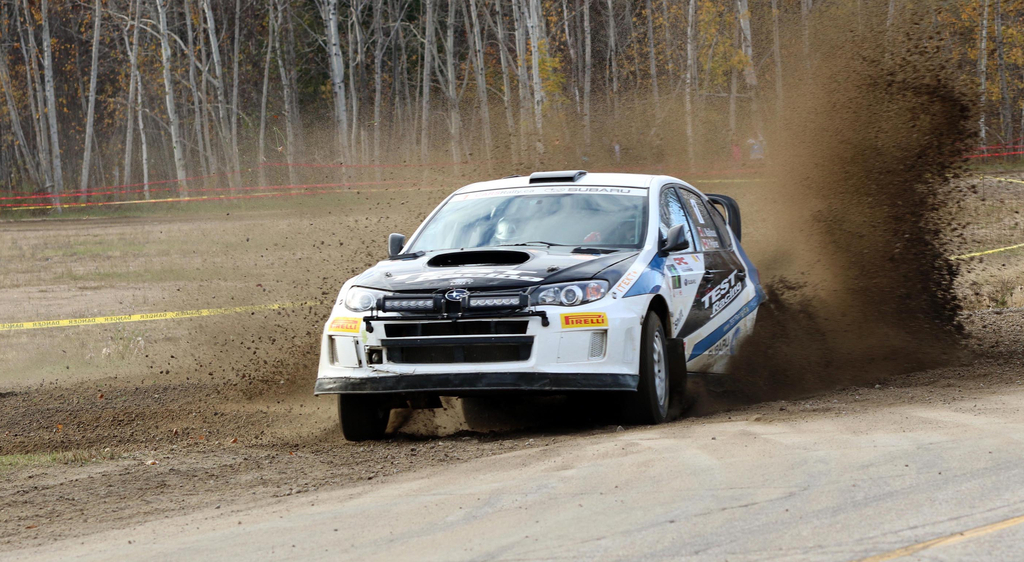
(752, 273)
(650, 279)
(719, 333)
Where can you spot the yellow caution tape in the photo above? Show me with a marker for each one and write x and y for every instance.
(117, 319)
(1001, 179)
(971, 255)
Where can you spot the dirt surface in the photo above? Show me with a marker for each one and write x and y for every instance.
(223, 405)
(211, 448)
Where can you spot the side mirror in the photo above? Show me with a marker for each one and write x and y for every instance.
(676, 240)
(395, 244)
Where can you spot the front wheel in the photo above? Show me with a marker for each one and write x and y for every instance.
(362, 417)
(649, 404)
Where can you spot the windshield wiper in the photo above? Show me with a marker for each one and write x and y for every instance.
(590, 250)
(532, 242)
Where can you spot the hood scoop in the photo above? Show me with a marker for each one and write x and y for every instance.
(482, 257)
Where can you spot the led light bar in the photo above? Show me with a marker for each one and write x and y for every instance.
(518, 300)
(410, 304)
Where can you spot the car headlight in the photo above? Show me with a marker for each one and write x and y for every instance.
(569, 294)
(358, 299)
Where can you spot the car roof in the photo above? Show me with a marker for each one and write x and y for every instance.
(590, 179)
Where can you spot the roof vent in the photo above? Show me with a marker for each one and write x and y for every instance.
(557, 177)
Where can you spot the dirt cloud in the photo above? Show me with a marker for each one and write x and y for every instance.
(859, 283)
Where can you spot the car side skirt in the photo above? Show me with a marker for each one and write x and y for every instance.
(463, 382)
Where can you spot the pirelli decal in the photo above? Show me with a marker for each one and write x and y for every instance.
(585, 320)
(350, 325)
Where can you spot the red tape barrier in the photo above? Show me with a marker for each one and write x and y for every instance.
(214, 189)
(199, 190)
(29, 206)
(994, 154)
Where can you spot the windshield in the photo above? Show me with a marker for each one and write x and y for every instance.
(604, 217)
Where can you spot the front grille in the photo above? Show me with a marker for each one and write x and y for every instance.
(459, 349)
(463, 328)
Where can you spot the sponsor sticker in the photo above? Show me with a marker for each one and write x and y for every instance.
(469, 274)
(350, 325)
(718, 298)
(627, 280)
(584, 320)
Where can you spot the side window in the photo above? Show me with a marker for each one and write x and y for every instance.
(672, 213)
(704, 221)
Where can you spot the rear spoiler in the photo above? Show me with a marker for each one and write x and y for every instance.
(732, 212)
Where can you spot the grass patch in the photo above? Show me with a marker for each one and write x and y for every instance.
(11, 462)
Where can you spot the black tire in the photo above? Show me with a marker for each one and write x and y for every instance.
(362, 417)
(650, 403)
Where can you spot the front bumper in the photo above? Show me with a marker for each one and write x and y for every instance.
(561, 356)
(474, 382)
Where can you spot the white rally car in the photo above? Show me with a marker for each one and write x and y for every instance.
(559, 282)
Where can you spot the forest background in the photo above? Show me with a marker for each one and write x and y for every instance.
(248, 92)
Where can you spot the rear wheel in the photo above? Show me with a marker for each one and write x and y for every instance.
(649, 404)
(362, 417)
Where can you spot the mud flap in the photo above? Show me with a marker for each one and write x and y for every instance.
(676, 348)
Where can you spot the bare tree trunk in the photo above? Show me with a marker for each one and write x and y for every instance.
(982, 75)
(378, 80)
(428, 50)
(522, 77)
(476, 44)
(749, 74)
(37, 98)
(272, 30)
(506, 84)
(172, 108)
(613, 54)
(291, 63)
(132, 48)
(287, 91)
(1005, 114)
(329, 13)
(653, 61)
(205, 156)
(451, 83)
(533, 23)
(142, 134)
(892, 13)
(777, 55)
(587, 68)
(51, 108)
(22, 146)
(691, 41)
(230, 159)
(89, 119)
(234, 89)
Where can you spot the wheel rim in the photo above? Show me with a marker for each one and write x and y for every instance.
(660, 370)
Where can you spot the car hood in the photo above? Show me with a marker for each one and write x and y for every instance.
(490, 269)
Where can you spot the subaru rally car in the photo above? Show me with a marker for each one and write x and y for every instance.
(560, 282)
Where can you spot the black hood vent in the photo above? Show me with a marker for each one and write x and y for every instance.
(482, 257)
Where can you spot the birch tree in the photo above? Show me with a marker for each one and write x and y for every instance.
(272, 22)
(87, 157)
(428, 51)
(1005, 113)
(51, 107)
(329, 14)
(172, 109)
(477, 53)
(653, 63)
(777, 55)
(982, 75)
(691, 20)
